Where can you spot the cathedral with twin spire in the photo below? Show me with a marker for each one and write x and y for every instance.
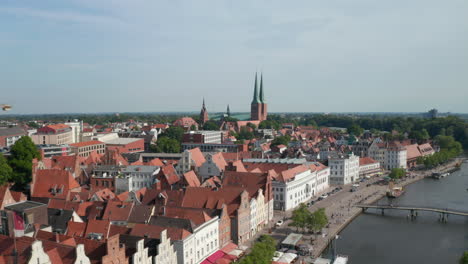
(258, 107)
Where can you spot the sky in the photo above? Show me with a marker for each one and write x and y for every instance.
(167, 55)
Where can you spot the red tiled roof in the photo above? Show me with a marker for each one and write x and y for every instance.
(51, 183)
(197, 157)
(153, 231)
(196, 215)
(366, 161)
(170, 174)
(76, 229)
(155, 162)
(87, 143)
(185, 122)
(219, 160)
(98, 227)
(57, 126)
(191, 179)
(412, 152)
(117, 211)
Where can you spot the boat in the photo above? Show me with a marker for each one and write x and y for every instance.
(395, 191)
(437, 175)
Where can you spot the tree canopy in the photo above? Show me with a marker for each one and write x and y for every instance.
(211, 125)
(22, 154)
(174, 132)
(302, 218)
(464, 258)
(6, 172)
(397, 173)
(355, 129)
(281, 140)
(166, 145)
(262, 251)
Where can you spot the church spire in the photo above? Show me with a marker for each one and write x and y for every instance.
(228, 111)
(255, 100)
(203, 106)
(262, 98)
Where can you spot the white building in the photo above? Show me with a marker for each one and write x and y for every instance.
(368, 167)
(299, 184)
(199, 245)
(135, 177)
(344, 169)
(166, 252)
(204, 136)
(77, 130)
(390, 154)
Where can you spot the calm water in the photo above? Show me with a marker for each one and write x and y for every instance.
(373, 238)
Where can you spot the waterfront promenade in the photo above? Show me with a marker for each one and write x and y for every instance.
(341, 210)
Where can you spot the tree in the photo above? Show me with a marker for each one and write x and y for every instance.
(281, 140)
(245, 133)
(252, 126)
(22, 154)
(355, 129)
(6, 171)
(317, 220)
(464, 258)
(397, 173)
(262, 251)
(300, 216)
(166, 145)
(210, 125)
(174, 132)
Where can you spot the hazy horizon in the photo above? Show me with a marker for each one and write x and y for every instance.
(84, 56)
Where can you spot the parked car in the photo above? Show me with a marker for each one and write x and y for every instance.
(279, 223)
(323, 196)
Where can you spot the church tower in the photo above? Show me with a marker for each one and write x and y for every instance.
(203, 114)
(258, 108)
(256, 105)
(262, 99)
(228, 111)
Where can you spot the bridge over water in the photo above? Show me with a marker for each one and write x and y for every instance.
(413, 210)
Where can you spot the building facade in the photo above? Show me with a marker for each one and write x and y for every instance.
(8, 136)
(83, 149)
(344, 169)
(57, 134)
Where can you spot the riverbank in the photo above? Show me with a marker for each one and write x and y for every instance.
(344, 213)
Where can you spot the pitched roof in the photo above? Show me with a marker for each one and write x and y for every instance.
(117, 211)
(197, 157)
(219, 160)
(191, 179)
(412, 151)
(197, 215)
(98, 227)
(52, 183)
(154, 231)
(141, 214)
(185, 122)
(76, 229)
(170, 174)
(366, 161)
(252, 182)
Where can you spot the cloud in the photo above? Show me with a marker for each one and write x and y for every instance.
(63, 15)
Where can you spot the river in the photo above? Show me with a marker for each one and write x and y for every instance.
(372, 238)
